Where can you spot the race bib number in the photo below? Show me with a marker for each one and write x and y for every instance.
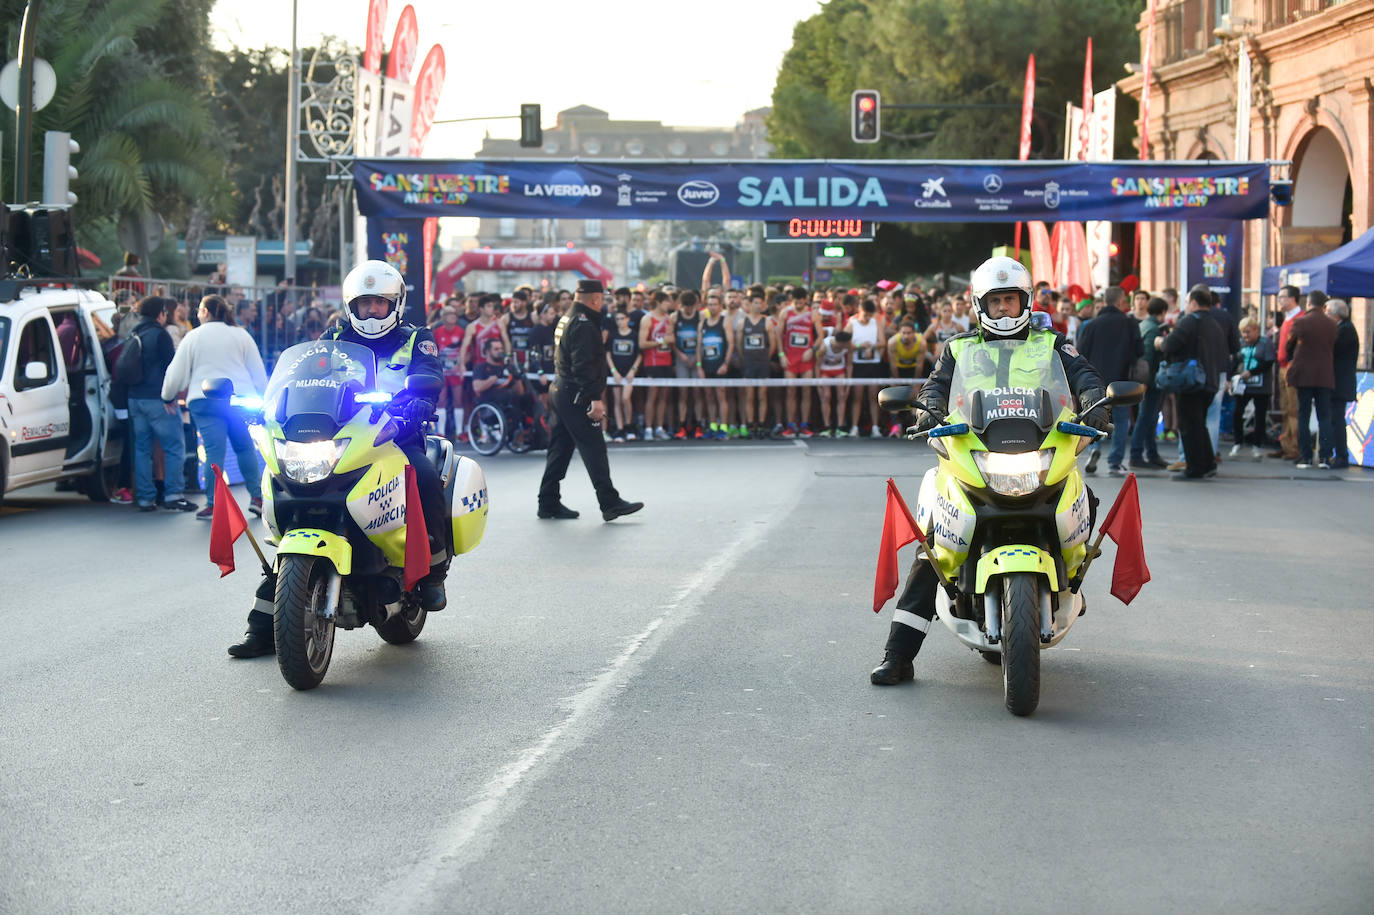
(712, 351)
(754, 341)
(799, 340)
(622, 348)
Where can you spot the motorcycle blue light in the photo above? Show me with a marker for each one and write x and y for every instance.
(1077, 429)
(246, 401)
(955, 429)
(374, 397)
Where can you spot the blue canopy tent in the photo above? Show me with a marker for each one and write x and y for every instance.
(1345, 272)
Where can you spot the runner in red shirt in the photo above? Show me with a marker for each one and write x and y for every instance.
(656, 343)
(798, 330)
(448, 336)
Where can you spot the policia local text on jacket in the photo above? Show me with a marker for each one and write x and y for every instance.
(580, 361)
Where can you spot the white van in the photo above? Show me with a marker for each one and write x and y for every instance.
(56, 419)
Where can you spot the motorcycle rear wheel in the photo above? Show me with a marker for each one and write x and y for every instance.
(404, 627)
(304, 637)
(1020, 643)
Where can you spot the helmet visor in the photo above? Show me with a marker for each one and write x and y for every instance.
(371, 306)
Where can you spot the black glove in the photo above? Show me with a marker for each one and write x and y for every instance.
(926, 421)
(1099, 417)
(418, 410)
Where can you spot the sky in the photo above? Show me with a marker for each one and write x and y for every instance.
(702, 63)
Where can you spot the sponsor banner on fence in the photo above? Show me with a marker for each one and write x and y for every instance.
(992, 191)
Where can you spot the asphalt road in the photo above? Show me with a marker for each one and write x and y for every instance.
(672, 713)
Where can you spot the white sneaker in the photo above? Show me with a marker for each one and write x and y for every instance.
(1235, 451)
(661, 434)
(1256, 454)
(875, 432)
(1324, 466)
(629, 436)
(854, 431)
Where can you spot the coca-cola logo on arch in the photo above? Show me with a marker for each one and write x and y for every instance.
(522, 262)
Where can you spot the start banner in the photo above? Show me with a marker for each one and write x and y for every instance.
(883, 191)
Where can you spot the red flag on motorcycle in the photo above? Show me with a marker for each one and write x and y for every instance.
(1123, 524)
(899, 529)
(417, 538)
(226, 525)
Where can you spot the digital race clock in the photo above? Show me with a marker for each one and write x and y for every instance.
(820, 230)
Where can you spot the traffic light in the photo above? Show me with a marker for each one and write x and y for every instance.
(531, 128)
(866, 116)
(58, 172)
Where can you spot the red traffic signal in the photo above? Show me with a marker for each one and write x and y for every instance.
(865, 125)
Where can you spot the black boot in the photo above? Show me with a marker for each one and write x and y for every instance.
(255, 644)
(431, 589)
(619, 509)
(893, 670)
(557, 512)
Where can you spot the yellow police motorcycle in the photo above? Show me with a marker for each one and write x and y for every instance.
(334, 499)
(1006, 511)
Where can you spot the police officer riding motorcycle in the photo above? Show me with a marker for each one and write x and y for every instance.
(1001, 289)
(374, 295)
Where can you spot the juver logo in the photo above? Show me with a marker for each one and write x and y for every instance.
(698, 193)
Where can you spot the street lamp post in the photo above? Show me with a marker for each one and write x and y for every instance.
(24, 121)
(292, 128)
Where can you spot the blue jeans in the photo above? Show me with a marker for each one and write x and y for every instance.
(151, 420)
(218, 421)
(1143, 444)
(1214, 414)
(1121, 435)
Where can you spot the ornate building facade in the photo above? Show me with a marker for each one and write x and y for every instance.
(1312, 62)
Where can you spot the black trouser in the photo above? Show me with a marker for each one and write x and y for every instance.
(571, 428)
(915, 610)
(1339, 439)
(1192, 430)
(431, 505)
(1261, 402)
(1321, 398)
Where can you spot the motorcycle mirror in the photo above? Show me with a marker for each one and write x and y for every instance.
(897, 397)
(217, 388)
(1125, 393)
(426, 387)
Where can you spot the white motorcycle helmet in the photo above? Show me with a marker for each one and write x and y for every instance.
(1001, 274)
(380, 279)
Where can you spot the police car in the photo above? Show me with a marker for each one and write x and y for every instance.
(56, 419)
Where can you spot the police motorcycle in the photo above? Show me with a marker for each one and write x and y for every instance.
(1006, 511)
(334, 498)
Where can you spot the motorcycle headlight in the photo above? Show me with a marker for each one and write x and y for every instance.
(1014, 474)
(310, 462)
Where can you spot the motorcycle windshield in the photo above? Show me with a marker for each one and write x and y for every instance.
(321, 377)
(1009, 379)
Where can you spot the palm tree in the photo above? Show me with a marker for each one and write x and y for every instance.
(146, 140)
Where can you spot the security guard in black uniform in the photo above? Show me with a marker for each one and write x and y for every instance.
(374, 296)
(580, 360)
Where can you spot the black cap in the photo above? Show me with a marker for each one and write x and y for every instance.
(587, 286)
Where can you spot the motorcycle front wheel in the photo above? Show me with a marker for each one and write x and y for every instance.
(1020, 643)
(304, 636)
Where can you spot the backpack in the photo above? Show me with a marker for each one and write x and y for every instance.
(128, 366)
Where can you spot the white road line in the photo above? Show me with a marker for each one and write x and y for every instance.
(466, 837)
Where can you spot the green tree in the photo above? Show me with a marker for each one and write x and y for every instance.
(129, 90)
(953, 51)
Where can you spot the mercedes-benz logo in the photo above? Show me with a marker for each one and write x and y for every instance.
(992, 183)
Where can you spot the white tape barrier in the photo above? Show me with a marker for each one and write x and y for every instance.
(752, 382)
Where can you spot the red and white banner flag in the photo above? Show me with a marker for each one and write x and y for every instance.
(1027, 111)
(376, 23)
(1085, 130)
(405, 45)
(428, 85)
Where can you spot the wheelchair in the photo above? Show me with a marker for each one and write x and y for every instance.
(492, 425)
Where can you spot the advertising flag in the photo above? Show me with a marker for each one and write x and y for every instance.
(899, 529)
(1027, 110)
(428, 85)
(1084, 130)
(405, 44)
(376, 23)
